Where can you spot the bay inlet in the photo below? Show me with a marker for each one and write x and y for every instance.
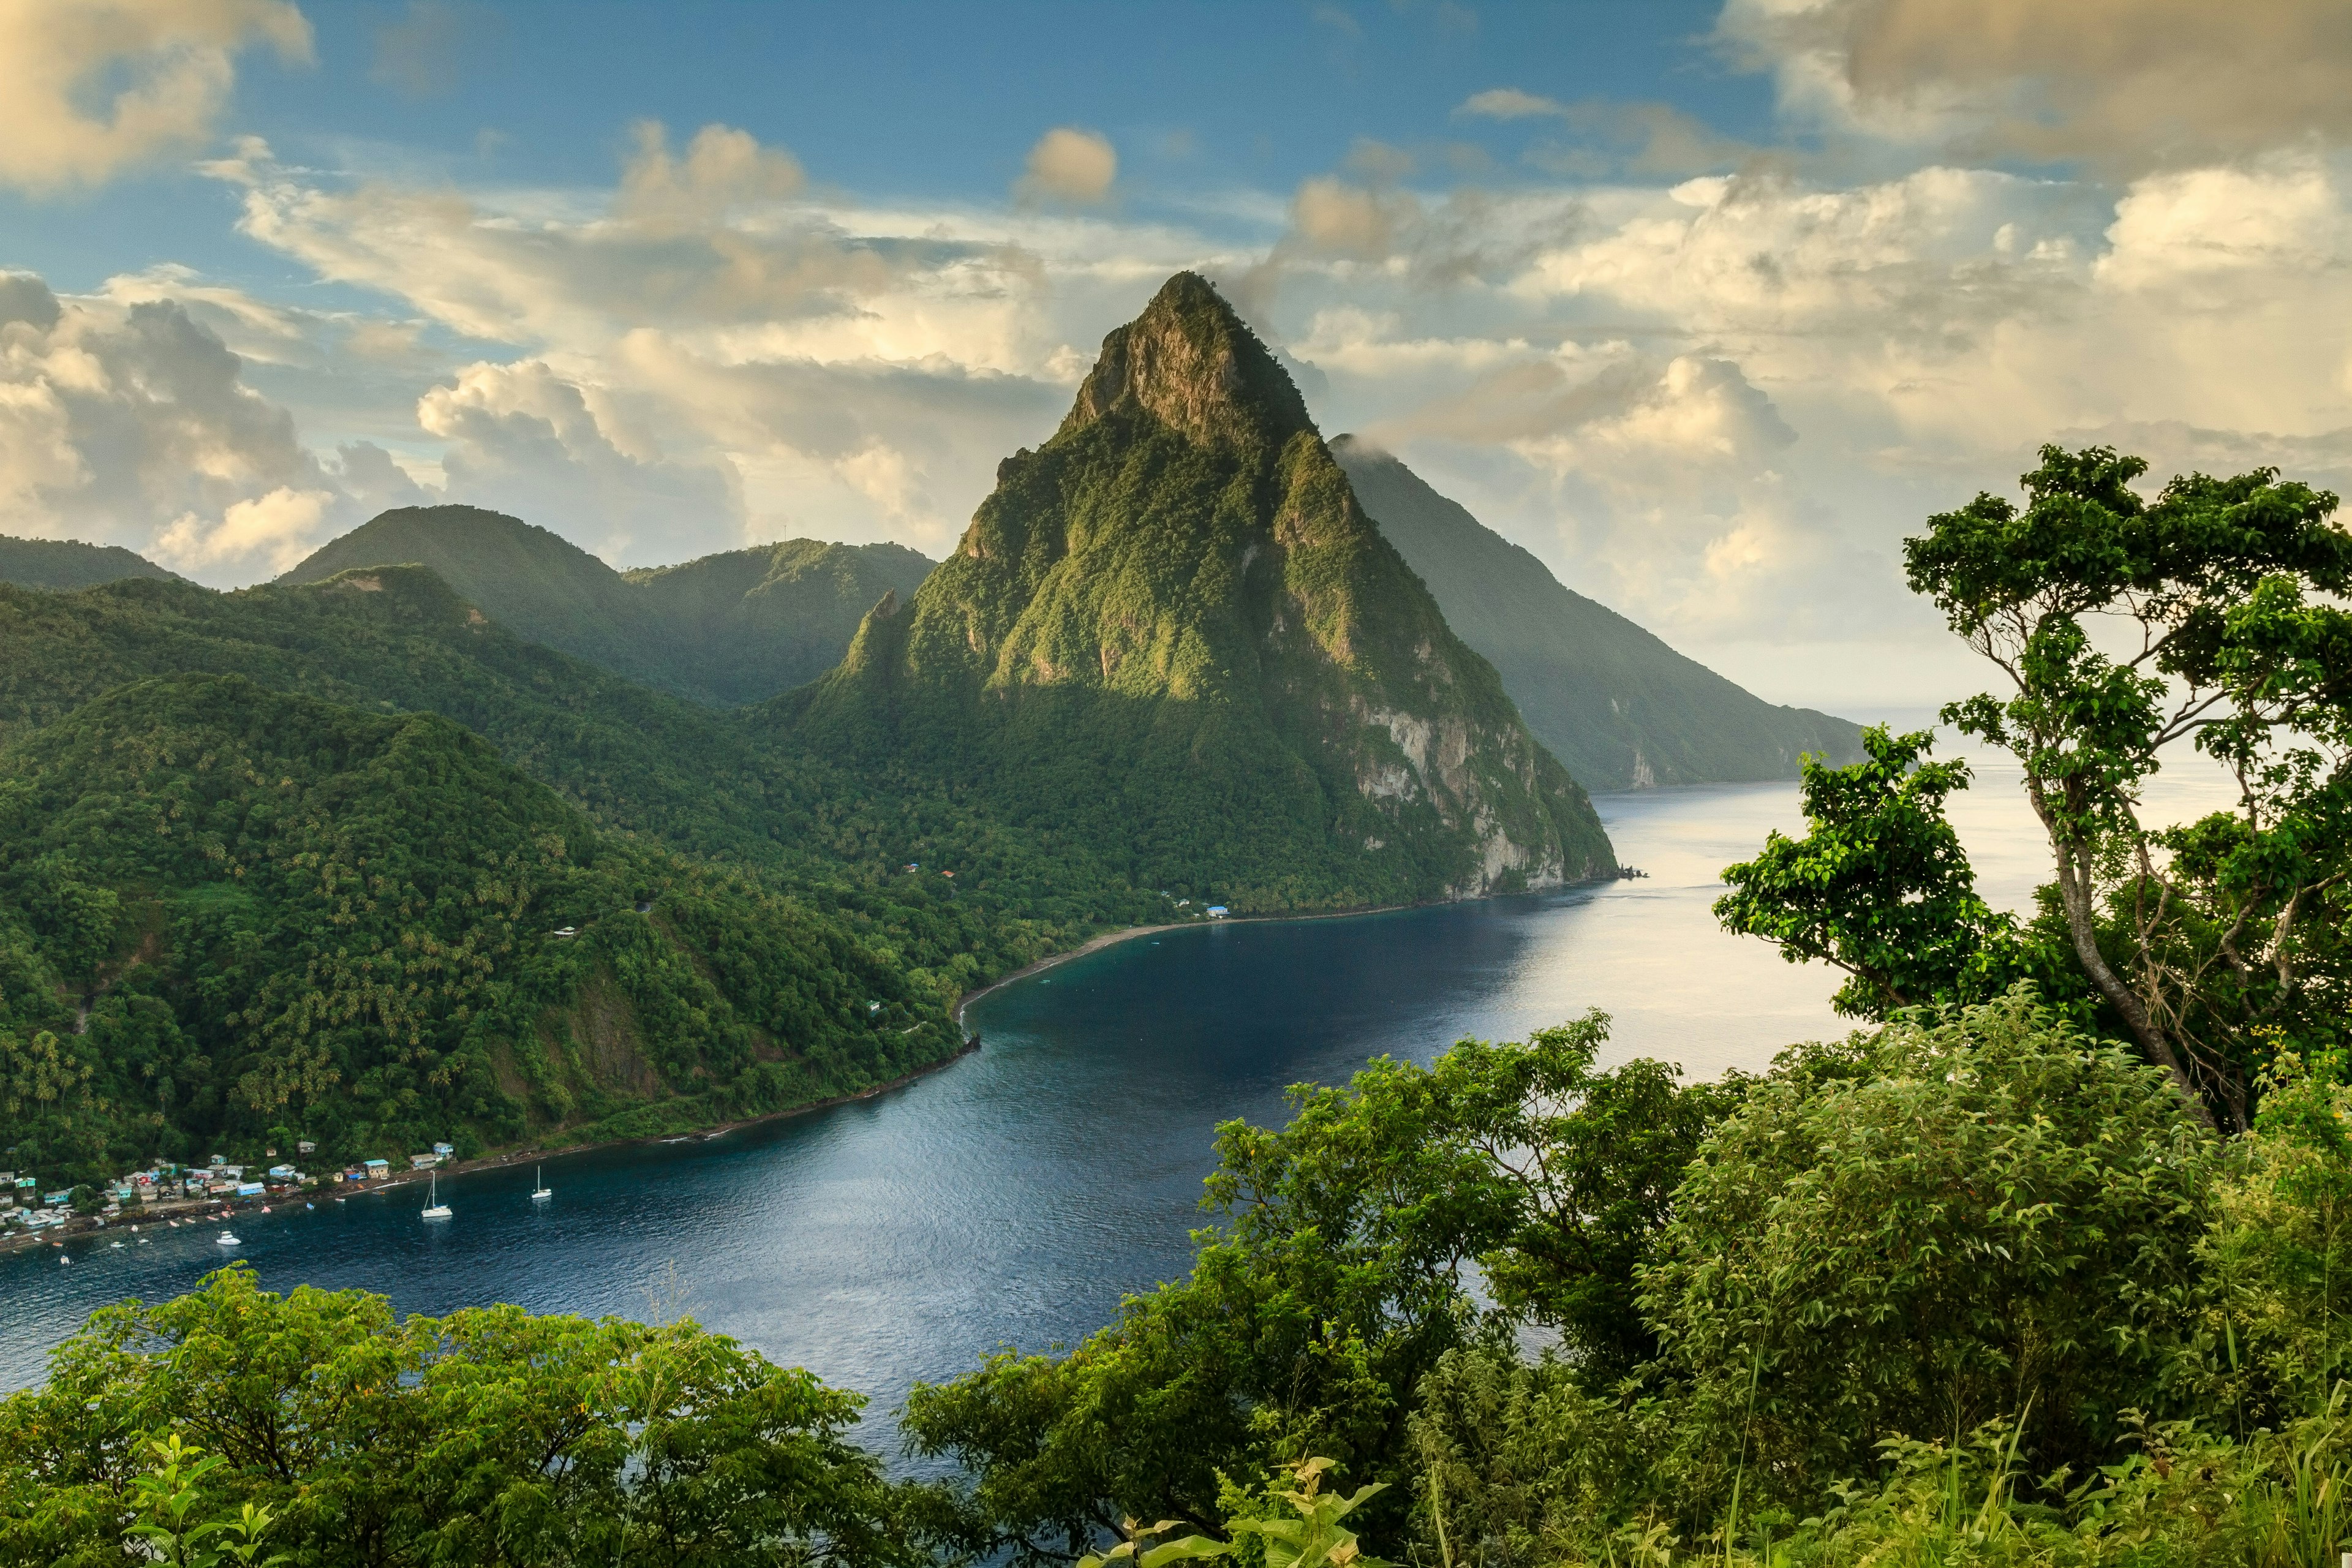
(1014, 1196)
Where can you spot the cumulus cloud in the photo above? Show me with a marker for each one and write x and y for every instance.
(90, 89)
(524, 440)
(724, 170)
(713, 354)
(272, 531)
(1068, 165)
(2130, 84)
(132, 424)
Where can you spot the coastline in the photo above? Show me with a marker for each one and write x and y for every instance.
(1096, 944)
(192, 1212)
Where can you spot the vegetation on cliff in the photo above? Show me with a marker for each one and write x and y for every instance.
(1172, 634)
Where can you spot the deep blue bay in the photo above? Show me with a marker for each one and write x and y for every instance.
(1016, 1196)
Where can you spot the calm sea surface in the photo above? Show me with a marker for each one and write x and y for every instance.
(1014, 1196)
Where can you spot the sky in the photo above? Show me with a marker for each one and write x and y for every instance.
(1708, 305)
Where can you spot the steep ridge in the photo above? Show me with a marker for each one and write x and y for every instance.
(728, 628)
(1172, 634)
(1614, 703)
(66, 564)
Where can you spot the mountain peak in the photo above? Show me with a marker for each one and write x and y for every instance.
(1191, 361)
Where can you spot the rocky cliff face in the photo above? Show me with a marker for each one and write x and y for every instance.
(1172, 629)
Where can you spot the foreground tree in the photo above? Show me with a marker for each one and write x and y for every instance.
(2195, 936)
(1924, 1230)
(1342, 1276)
(487, 1437)
(1881, 887)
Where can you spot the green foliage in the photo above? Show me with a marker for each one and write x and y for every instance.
(1171, 636)
(489, 1436)
(1617, 705)
(2225, 927)
(1923, 1231)
(1315, 1537)
(1881, 887)
(65, 563)
(225, 910)
(2280, 1255)
(1341, 1280)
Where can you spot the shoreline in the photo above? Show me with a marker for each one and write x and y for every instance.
(189, 1212)
(1110, 937)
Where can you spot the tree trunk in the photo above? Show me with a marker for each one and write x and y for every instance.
(2075, 895)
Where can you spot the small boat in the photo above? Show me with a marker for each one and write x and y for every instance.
(114, 1247)
(434, 1207)
(540, 1191)
(63, 1258)
(228, 1238)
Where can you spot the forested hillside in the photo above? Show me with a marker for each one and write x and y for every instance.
(1614, 703)
(69, 564)
(752, 623)
(723, 629)
(1172, 632)
(659, 775)
(231, 916)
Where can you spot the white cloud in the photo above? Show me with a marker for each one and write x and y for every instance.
(708, 352)
(130, 422)
(724, 170)
(89, 88)
(264, 536)
(1510, 103)
(1068, 165)
(522, 439)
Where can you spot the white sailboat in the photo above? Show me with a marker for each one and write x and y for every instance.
(434, 1207)
(542, 1192)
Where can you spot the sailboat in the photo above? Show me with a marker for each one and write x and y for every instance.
(434, 1207)
(542, 1192)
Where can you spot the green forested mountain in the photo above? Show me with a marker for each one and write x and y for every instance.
(1173, 631)
(1615, 704)
(726, 628)
(69, 564)
(704, 783)
(229, 914)
(705, 800)
(752, 623)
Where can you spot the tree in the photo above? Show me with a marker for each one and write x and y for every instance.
(1342, 1276)
(2200, 935)
(488, 1437)
(1920, 1232)
(1880, 885)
